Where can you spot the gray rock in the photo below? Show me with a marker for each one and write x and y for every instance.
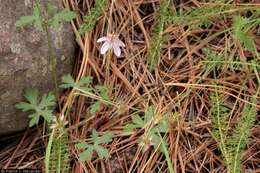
(24, 60)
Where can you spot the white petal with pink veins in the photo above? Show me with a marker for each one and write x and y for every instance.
(117, 50)
(105, 47)
(103, 39)
(119, 42)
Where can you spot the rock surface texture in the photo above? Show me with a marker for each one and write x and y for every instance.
(24, 60)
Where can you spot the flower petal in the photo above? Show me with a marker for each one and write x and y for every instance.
(119, 43)
(103, 39)
(105, 47)
(116, 49)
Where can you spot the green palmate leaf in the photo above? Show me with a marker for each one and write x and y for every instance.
(99, 93)
(149, 114)
(51, 10)
(47, 114)
(67, 81)
(155, 136)
(34, 119)
(95, 107)
(24, 106)
(155, 121)
(83, 84)
(87, 154)
(36, 19)
(86, 80)
(25, 20)
(128, 128)
(88, 151)
(47, 100)
(138, 121)
(55, 23)
(82, 145)
(38, 107)
(104, 139)
(65, 15)
(97, 141)
(163, 125)
(94, 135)
(157, 141)
(85, 89)
(53, 20)
(101, 151)
(32, 96)
(103, 91)
(154, 124)
(154, 139)
(38, 23)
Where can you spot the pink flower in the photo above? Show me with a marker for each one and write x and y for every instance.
(111, 42)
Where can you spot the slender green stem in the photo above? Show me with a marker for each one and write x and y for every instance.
(108, 61)
(167, 155)
(53, 61)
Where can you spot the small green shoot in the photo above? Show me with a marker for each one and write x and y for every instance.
(98, 141)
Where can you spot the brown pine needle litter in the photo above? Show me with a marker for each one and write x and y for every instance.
(197, 58)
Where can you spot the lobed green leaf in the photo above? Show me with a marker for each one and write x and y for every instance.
(25, 20)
